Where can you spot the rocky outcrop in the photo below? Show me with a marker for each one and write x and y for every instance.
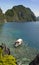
(35, 61)
(5, 49)
(17, 13)
(20, 13)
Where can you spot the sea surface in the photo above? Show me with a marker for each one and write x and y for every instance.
(28, 31)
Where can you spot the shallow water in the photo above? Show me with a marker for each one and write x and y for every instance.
(29, 32)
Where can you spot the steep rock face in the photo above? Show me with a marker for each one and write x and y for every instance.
(20, 13)
(1, 16)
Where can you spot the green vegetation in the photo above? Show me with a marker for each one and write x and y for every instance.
(7, 59)
(1, 16)
(17, 13)
(23, 54)
(20, 13)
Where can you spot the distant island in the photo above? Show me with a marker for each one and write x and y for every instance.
(17, 13)
(37, 18)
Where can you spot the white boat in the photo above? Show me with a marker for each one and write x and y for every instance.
(18, 42)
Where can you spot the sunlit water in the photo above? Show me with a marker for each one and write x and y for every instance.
(29, 32)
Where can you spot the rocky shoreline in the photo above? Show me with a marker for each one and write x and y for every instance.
(23, 53)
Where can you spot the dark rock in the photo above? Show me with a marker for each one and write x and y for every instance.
(5, 49)
(1, 47)
(8, 51)
(35, 61)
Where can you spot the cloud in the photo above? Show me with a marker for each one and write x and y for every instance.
(37, 14)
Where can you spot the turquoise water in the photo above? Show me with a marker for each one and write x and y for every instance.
(29, 32)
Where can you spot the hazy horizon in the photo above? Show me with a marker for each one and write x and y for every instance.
(32, 4)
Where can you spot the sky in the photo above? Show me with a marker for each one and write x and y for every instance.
(32, 4)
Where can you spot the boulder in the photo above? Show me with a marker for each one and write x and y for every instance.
(5, 49)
